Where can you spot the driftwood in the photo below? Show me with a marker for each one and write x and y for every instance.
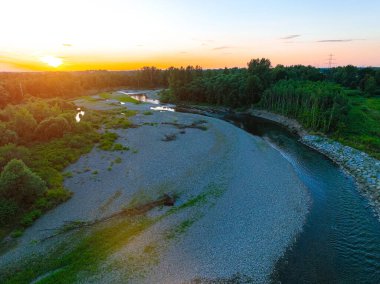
(165, 200)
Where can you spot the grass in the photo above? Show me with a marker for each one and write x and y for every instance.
(182, 227)
(116, 96)
(83, 253)
(211, 192)
(362, 127)
(118, 160)
(66, 264)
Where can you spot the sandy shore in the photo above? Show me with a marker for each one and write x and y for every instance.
(256, 209)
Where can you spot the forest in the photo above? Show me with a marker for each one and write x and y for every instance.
(341, 102)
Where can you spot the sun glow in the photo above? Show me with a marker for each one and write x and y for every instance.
(52, 61)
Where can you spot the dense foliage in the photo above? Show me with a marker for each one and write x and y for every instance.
(320, 106)
(342, 102)
(16, 87)
(39, 138)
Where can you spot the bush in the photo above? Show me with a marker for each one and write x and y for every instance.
(8, 211)
(52, 127)
(17, 233)
(58, 195)
(107, 141)
(30, 217)
(11, 151)
(18, 183)
(7, 135)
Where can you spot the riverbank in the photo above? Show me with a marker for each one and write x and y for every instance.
(229, 221)
(365, 169)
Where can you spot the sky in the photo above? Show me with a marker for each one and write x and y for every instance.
(69, 35)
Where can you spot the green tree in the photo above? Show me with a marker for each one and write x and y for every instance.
(23, 123)
(19, 184)
(7, 135)
(262, 69)
(4, 96)
(254, 89)
(52, 127)
(370, 85)
(12, 151)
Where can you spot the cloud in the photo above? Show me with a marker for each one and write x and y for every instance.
(337, 40)
(290, 36)
(222, 47)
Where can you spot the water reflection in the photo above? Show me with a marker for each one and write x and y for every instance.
(341, 237)
(79, 115)
(140, 97)
(143, 98)
(162, 108)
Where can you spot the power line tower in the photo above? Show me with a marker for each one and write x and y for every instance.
(331, 60)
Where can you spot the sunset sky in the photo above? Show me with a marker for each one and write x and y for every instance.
(129, 34)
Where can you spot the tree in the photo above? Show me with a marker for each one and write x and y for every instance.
(19, 184)
(254, 89)
(370, 85)
(53, 127)
(23, 123)
(12, 151)
(6, 135)
(4, 96)
(261, 68)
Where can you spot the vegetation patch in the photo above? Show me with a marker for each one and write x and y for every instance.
(83, 259)
(43, 138)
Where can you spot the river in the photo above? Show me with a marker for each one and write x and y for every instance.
(340, 242)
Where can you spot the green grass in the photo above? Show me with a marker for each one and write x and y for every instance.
(127, 99)
(118, 160)
(65, 264)
(182, 227)
(83, 253)
(119, 97)
(362, 127)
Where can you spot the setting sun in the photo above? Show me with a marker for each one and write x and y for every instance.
(52, 61)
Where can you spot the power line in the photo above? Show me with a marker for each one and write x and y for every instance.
(331, 60)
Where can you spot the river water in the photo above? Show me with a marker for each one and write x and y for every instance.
(340, 242)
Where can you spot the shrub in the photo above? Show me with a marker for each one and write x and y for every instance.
(30, 217)
(11, 151)
(8, 211)
(52, 127)
(17, 233)
(42, 203)
(20, 184)
(7, 135)
(107, 141)
(58, 195)
(23, 123)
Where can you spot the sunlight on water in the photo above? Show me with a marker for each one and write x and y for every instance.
(79, 115)
(143, 98)
(162, 108)
(140, 97)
